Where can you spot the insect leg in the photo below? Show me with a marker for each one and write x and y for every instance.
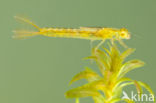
(112, 41)
(122, 43)
(91, 47)
(91, 44)
(96, 48)
(77, 100)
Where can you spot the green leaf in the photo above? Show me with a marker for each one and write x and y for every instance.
(96, 85)
(115, 62)
(103, 59)
(119, 99)
(107, 51)
(147, 87)
(117, 90)
(81, 92)
(99, 99)
(128, 100)
(124, 84)
(128, 66)
(127, 53)
(138, 88)
(86, 74)
(114, 100)
(90, 57)
(122, 80)
(102, 55)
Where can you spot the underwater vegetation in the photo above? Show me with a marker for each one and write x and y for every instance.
(108, 86)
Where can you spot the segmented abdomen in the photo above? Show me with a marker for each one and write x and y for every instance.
(71, 33)
(77, 33)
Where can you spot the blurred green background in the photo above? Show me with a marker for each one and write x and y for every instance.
(38, 70)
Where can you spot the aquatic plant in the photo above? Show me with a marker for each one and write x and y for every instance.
(108, 87)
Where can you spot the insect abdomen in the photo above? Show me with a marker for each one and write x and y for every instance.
(71, 33)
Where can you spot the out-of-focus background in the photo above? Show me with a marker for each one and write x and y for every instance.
(38, 69)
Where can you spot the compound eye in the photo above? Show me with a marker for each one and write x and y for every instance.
(123, 34)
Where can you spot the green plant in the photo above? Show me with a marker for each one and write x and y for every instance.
(108, 87)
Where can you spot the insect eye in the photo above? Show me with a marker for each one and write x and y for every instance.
(122, 34)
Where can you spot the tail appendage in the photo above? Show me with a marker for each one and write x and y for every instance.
(25, 33)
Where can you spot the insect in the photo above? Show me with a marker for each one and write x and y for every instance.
(88, 33)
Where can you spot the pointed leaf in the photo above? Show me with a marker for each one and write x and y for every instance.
(127, 53)
(102, 63)
(115, 59)
(103, 58)
(86, 74)
(128, 100)
(107, 51)
(138, 88)
(130, 65)
(116, 100)
(122, 80)
(117, 90)
(96, 85)
(125, 84)
(147, 87)
(81, 92)
(90, 57)
(99, 99)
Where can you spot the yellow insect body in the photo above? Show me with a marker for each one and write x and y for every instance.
(96, 34)
(81, 33)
